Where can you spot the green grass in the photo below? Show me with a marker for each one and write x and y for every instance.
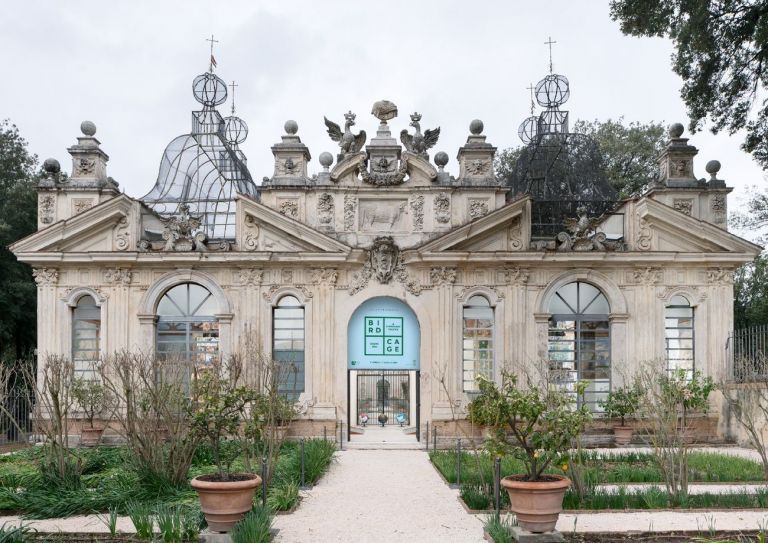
(254, 528)
(500, 529)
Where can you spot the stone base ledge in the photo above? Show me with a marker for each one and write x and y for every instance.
(524, 536)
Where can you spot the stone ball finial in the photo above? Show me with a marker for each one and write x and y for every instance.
(326, 159)
(52, 166)
(476, 127)
(441, 159)
(291, 127)
(88, 128)
(676, 130)
(384, 110)
(712, 167)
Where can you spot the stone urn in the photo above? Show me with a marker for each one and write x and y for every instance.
(537, 504)
(622, 435)
(225, 503)
(90, 436)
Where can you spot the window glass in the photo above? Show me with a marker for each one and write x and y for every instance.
(288, 344)
(679, 336)
(477, 343)
(86, 337)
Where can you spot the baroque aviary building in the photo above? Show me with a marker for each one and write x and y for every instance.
(387, 282)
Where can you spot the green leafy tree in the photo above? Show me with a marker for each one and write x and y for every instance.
(629, 151)
(750, 293)
(721, 48)
(18, 218)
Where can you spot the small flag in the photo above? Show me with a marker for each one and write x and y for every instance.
(213, 62)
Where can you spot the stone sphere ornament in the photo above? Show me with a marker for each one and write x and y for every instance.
(676, 130)
(51, 165)
(476, 127)
(712, 167)
(384, 110)
(88, 128)
(441, 159)
(209, 89)
(326, 159)
(291, 127)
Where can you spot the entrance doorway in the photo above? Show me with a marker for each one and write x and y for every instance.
(387, 393)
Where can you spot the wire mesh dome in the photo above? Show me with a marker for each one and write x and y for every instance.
(235, 130)
(204, 170)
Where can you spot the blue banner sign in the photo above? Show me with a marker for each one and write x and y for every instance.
(383, 334)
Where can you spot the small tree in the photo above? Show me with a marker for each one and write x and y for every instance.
(669, 396)
(92, 397)
(622, 403)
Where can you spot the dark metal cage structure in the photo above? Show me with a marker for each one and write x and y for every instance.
(205, 169)
(384, 392)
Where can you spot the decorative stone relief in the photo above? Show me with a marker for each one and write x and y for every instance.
(180, 233)
(463, 292)
(516, 276)
(382, 215)
(417, 208)
(477, 209)
(101, 296)
(682, 168)
(251, 241)
(287, 167)
(324, 276)
(286, 277)
(583, 236)
(81, 204)
(442, 208)
(84, 166)
(47, 206)
(717, 205)
(719, 276)
(384, 262)
(683, 205)
(350, 204)
(118, 276)
(325, 208)
(478, 167)
(516, 234)
(45, 276)
(269, 294)
(122, 234)
(694, 294)
(249, 277)
(290, 208)
(647, 276)
(442, 276)
(385, 172)
(643, 238)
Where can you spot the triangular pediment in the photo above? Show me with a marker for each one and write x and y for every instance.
(505, 229)
(666, 229)
(93, 230)
(260, 228)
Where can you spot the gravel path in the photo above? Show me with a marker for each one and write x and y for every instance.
(380, 496)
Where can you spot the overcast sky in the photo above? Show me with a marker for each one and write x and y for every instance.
(128, 67)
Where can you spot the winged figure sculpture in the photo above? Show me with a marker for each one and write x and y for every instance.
(419, 143)
(349, 142)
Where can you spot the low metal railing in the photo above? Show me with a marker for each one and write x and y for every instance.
(747, 354)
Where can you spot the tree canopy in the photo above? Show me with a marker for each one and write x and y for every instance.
(18, 218)
(721, 48)
(750, 294)
(629, 152)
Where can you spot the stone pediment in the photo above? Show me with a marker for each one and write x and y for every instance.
(658, 227)
(109, 226)
(262, 229)
(506, 229)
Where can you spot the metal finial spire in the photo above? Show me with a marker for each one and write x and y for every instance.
(530, 87)
(213, 60)
(233, 85)
(550, 42)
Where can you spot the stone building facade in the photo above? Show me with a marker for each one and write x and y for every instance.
(448, 277)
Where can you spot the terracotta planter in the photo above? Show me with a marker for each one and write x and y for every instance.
(90, 436)
(537, 504)
(224, 503)
(622, 435)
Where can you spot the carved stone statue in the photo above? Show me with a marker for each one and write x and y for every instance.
(419, 143)
(179, 232)
(384, 110)
(384, 257)
(348, 142)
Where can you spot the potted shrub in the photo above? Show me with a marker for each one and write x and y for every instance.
(93, 398)
(218, 406)
(536, 424)
(621, 404)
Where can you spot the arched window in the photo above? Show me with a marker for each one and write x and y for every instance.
(478, 341)
(86, 337)
(288, 344)
(187, 330)
(580, 340)
(678, 335)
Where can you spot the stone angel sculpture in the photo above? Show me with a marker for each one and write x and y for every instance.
(419, 143)
(349, 142)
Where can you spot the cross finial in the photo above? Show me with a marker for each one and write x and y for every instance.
(233, 85)
(530, 87)
(213, 60)
(550, 43)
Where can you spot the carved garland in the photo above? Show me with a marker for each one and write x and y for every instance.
(442, 208)
(417, 207)
(45, 276)
(647, 276)
(118, 276)
(350, 205)
(249, 277)
(442, 276)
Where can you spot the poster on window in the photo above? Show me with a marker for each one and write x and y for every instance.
(383, 334)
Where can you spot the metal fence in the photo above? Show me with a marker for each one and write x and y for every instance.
(747, 354)
(16, 417)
